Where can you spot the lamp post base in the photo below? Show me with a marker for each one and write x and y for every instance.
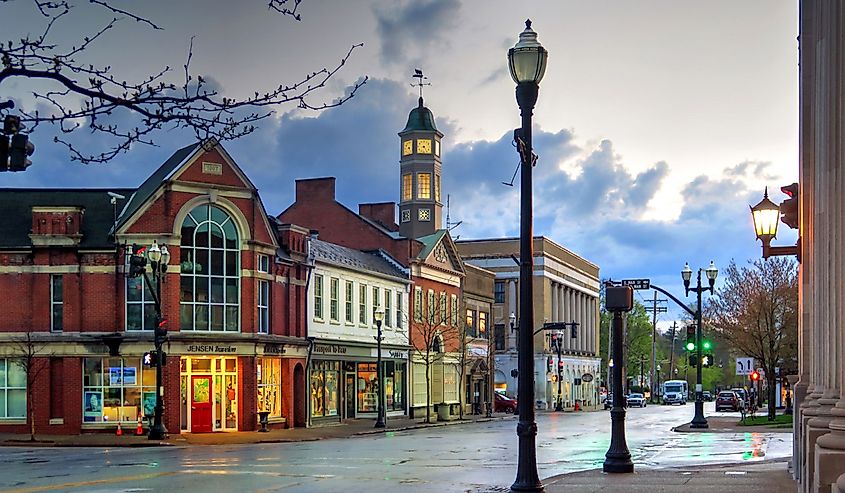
(157, 432)
(618, 465)
(380, 423)
(699, 421)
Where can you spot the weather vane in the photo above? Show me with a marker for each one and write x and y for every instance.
(418, 74)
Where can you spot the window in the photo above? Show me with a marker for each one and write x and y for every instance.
(470, 323)
(388, 309)
(324, 396)
(407, 186)
(406, 215)
(424, 214)
(436, 147)
(394, 385)
(499, 292)
(418, 304)
(334, 299)
(367, 388)
(450, 383)
(398, 310)
(432, 307)
(455, 310)
(269, 376)
(350, 290)
(116, 389)
(210, 271)
(362, 304)
(482, 324)
(437, 188)
(140, 307)
(423, 185)
(264, 296)
(500, 337)
(56, 303)
(318, 297)
(376, 300)
(443, 318)
(12, 389)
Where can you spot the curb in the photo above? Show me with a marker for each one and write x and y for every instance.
(432, 425)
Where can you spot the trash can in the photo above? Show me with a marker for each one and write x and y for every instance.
(263, 419)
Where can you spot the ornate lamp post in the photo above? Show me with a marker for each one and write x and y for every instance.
(618, 300)
(699, 421)
(381, 420)
(766, 215)
(527, 64)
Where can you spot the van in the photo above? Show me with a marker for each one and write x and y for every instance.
(675, 392)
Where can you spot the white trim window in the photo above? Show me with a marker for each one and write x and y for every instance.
(269, 377)
(376, 300)
(263, 296)
(334, 299)
(56, 303)
(318, 296)
(398, 310)
(455, 310)
(362, 304)
(210, 271)
(349, 316)
(388, 309)
(443, 319)
(140, 307)
(418, 304)
(432, 307)
(12, 390)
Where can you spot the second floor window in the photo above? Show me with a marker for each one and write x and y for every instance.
(482, 324)
(140, 307)
(350, 290)
(376, 300)
(398, 310)
(500, 337)
(263, 304)
(470, 323)
(455, 310)
(362, 304)
(318, 296)
(432, 308)
(334, 299)
(444, 314)
(499, 292)
(388, 301)
(56, 303)
(418, 304)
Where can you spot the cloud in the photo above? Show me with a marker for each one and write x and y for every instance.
(410, 30)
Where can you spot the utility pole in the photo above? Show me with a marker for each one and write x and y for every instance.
(672, 353)
(654, 309)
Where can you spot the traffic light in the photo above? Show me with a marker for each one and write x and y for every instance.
(706, 345)
(137, 261)
(574, 330)
(549, 364)
(554, 377)
(19, 148)
(789, 207)
(150, 358)
(693, 361)
(754, 376)
(554, 341)
(707, 360)
(160, 333)
(690, 345)
(560, 365)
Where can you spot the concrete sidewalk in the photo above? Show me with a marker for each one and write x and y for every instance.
(346, 429)
(723, 424)
(759, 477)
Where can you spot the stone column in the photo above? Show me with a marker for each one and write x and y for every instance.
(830, 448)
(582, 304)
(594, 327)
(553, 295)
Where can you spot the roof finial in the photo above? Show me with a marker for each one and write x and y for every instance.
(527, 23)
(418, 74)
(766, 192)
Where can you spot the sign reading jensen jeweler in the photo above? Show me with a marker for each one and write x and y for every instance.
(210, 348)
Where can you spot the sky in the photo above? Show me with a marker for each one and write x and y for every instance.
(658, 121)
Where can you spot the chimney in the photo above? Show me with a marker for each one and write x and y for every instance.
(383, 213)
(318, 189)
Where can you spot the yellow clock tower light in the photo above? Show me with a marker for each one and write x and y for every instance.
(420, 210)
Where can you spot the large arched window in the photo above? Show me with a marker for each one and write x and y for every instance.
(210, 267)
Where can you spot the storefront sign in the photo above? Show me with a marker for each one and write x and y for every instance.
(329, 349)
(210, 348)
(587, 377)
(390, 353)
(274, 349)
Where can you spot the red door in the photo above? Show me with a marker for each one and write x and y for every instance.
(201, 404)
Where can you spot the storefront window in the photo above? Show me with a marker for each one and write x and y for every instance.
(324, 395)
(450, 383)
(270, 386)
(367, 388)
(394, 385)
(116, 389)
(12, 389)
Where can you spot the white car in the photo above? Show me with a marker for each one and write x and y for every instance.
(636, 400)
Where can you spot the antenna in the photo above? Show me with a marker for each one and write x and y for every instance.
(418, 74)
(449, 224)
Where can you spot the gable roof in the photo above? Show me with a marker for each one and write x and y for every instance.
(342, 256)
(441, 236)
(98, 218)
(429, 242)
(153, 182)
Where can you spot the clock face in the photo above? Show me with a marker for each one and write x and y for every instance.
(406, 215)
(407, 147)
(424, 215)
(423, 146)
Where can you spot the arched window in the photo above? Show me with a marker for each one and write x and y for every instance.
(210, 267)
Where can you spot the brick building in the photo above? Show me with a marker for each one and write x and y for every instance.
(233, 297)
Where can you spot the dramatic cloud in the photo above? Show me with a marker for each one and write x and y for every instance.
(409, 31)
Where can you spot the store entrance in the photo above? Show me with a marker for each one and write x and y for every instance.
(209, 394)
(350, 395)
(201, 404)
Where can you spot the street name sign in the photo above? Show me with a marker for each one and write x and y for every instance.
(637, 283)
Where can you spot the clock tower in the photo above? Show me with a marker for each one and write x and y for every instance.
(420, 209)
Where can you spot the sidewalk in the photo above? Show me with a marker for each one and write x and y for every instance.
(720, 424)
(760, 477)
(346, 429)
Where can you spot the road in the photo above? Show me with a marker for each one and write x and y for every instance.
(466, 458)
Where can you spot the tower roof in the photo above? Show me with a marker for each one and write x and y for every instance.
(420, 118)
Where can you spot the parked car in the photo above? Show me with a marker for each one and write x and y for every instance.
(608, 402)
(707, 396)
(743, 396)
(504, 404)
(636, 400)
(728, 400)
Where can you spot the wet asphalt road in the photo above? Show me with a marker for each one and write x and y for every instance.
(466, 458)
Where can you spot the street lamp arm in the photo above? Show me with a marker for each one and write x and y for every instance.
(676, 300)
(153, 292)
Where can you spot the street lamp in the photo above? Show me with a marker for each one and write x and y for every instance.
(766, 215)
(158, 258)
(381, 420)
(656, 388)
(527, 64)
(699, 421)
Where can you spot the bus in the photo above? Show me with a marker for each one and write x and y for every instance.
(675, 392)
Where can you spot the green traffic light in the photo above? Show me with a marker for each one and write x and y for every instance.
(690, 346)
(707, 345)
